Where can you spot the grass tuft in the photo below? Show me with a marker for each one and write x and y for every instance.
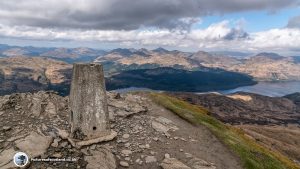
(252, 154)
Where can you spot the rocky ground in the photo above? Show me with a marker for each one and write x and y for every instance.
(149, 136)
(273, 122)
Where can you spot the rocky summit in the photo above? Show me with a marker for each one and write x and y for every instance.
(148, 136)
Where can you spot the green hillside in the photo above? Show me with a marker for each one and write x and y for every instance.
(251, 154)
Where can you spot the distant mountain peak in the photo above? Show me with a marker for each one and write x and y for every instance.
(122, 51)
(270, 55)
(160, 49)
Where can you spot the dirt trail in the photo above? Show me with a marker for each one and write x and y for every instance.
(207, 146)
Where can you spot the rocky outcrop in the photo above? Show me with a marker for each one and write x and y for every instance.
(37, 124)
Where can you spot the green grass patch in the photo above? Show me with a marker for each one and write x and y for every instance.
(252, 154)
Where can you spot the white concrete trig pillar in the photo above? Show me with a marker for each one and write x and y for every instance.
(88, 103)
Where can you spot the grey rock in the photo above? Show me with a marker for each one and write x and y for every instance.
(162, 124)
(6, 128)
(150, 159)
(34, 144)
(6, 158)
(64, 144)
(57, 155)
(159, 127)
(55, 143)
(188, 155)
(50, 109)
(126, 136)
(126, 152)
(127, 106)
(93, 147)
(197, 163)
(127, 145)
(101, 159)
(173, 163)
(36, 107)
(124, 164)
(85, 151)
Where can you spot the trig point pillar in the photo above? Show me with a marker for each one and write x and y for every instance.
(89, 112)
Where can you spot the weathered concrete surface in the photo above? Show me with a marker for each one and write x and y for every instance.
(88, 103)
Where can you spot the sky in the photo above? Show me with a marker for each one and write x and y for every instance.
(188, 25)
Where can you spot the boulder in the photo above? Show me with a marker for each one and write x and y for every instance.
(101, 159)
(173, 163)
(34, 144)
(162, 124)
(197, 163)
(6, 158)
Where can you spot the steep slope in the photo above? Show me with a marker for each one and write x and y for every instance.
(142, 56)
(285, 139)
(213, 60)
(22, 74)
(246, 108)
(252, 154)
(263, 66)
(269, 67)
(272, 122)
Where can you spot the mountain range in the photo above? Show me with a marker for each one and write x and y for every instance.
(26, 74)
(25, 69)
(69, 55)
(263, 66)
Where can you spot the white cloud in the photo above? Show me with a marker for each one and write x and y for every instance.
(215, 37)
(124, 14)
(285, 38)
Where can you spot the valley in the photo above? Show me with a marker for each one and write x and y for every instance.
(26, 74)
(262, 66)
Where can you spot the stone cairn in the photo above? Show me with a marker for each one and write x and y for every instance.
(88, 103)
